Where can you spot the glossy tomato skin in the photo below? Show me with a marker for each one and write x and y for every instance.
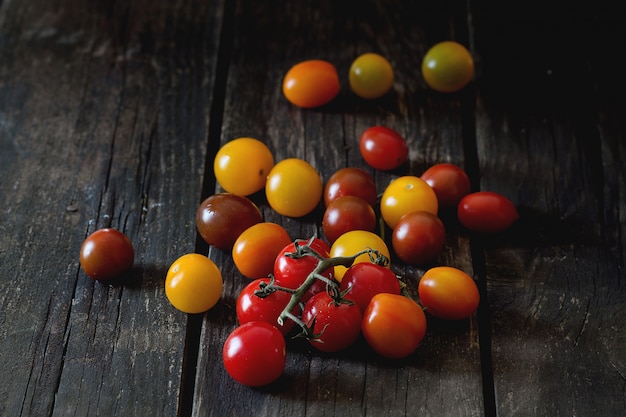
(294, 188)
(353, 242)
(255, 250)
(311, 83)
(486, 212)
(418, 238)
(447, 67)
(255, 354)
(251, 307)
(193, 283)
(345, 214)
(338, 325)
(393, 325)
(351, 181)
(370, 76)
(106, 254)
(241, 165)
(365, 280)
(291, 272)
(448, 293)
(450, 183)
(404, 195)
(383, 148)
(221, 218)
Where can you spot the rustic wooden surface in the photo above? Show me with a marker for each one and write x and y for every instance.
(110, 112)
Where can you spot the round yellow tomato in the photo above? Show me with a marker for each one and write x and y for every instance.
(294, 188)
(241, 166)
(370, 76)
(311, 83)
(405, 195)
(256, 249)
(193, 283)
(350, 243)
(447, 67)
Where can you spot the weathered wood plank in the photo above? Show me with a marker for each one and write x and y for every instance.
(103, 122)
(444, 376)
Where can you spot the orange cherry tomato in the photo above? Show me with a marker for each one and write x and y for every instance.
(311, 83)
(255, 250)
(448, 293)
(193, 283)
(405, 195)
(352, 242)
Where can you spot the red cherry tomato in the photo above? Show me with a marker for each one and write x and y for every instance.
(345, 214)
(254, 354)
(383, 148)
(393, 325)
(418, 238)
(106, 254)
(311, 83)
(486, 212)
(337, 325)
(252, 307)
(450, 183)
(365, 280)
(448, 293)
(351, 181)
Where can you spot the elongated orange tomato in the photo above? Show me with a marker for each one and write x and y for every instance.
(311, 83)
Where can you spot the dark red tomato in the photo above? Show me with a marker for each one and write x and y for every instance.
(337, 325)
(345, 214)
(450, 183)
(106, 254)
(251, 307)
(486, 212)
(351, 181)
(365, 280)
(291, 272)
(221, 218)
(383, 148)
(418, 238)
(255, 354)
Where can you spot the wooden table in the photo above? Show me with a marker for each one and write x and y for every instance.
(111, 113)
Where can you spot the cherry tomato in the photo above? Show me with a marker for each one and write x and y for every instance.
(418, 238)
(290, 272)
(450, 183)
(311, 83)
(256, 249)
(350, 243)
(106, 254)
(252, 307)
(486, 212)
(448, 293)
(345, 214)
(383, 148)
(393, 325)
(364, 280)
(294, 188)
(405, 195)
(221, 218)
(193, 283)
(371, 76)
(337, 325)
(351, 181)
(255, 354)
(447, 67)
(241, 165)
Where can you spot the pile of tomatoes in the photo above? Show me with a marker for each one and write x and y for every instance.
(338, 287)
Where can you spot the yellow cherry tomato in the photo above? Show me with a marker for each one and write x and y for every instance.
(311, 83)
(294, 188)
(370, 76)
(193, 283)
(447, 67)
(405, 195)
(256, 249)
(241, 166)
(350, 243)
